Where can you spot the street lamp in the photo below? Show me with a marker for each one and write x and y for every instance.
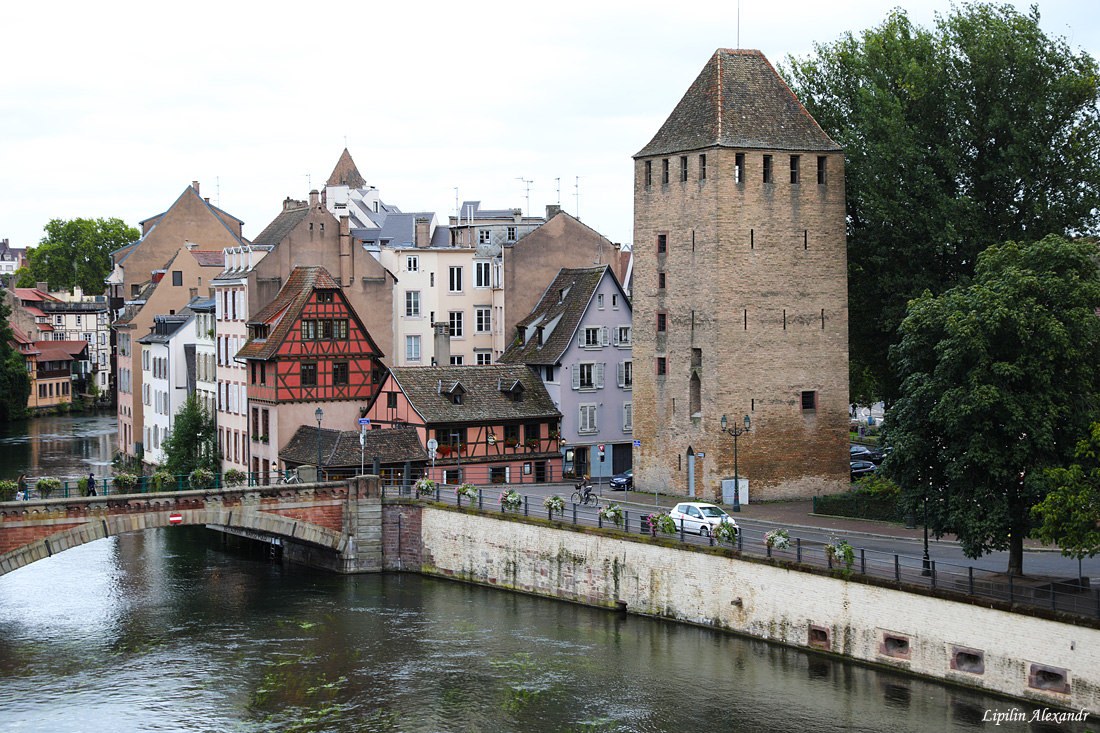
(736, 432)
(320, 415)
(927, 561)
(458, 458)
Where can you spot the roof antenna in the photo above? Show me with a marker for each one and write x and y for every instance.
(739, 24)
(577, 185)
(558, 181)
(528, 185)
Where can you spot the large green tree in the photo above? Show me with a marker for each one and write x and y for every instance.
(998, 378)
(1069, 516)
(78, 252)
(15, 383)
(978, 131)
(193, 441)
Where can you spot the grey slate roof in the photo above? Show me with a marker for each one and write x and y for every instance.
(281, 226)
(340, 448)
(483, 401)
(563, 313)
(738, 101)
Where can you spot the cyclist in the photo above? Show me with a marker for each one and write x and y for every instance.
(585, 487)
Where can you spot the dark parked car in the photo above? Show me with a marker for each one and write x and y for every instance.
(623, 481)
(864, 453)
(862, 468)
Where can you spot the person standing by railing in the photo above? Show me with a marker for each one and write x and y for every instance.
(91, 485)
(21, 494)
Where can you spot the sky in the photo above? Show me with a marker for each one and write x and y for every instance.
(111, 109)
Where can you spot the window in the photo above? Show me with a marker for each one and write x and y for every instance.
(511, 234)
(340, 372)
(662, 243)
(309, 375)
(391, 400)
(431, 279)
(456, 324)
(481, 274)
(587, 420)
(309, 330)
(177, 278)
(255, 423)
(703, 167)
(662, 321)
(455, 279)
(767, 169)
(484, 358)
(662, 366)
(739, 168)
(457, 361)
(324, 329)
(588, 375)
(484, 236)
(340, 329)
(135, 291)
(326, 296)
(795, 165)
(412, 304)
(648, 173)
(660, 281)
(599, 301)
(412, 348)
(412, 263)
(614, 301)
(809, 400)
(59, 320)
(683, 168)
(511, 435)
(664, 171)
(595, 337)
(626, 374)
(628, 417)
(821, 161)
(623, 335)
(483, 320)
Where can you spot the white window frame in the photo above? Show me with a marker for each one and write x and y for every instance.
(483, 320)
(587, 418)
(628, 417)
(484, 236)
(412, 263)
(595, 370)
(455, 319)
(595, 337)
(599, 301)
(482, 274)
(483, 358)
(412, 304)
(620, 332)
(454, 279)
(412, 347)
(512, 231)
(625, 373)
(457, 360)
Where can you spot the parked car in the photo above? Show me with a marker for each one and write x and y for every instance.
(862, 468)
(623, 481)
(699, 517)
(865, 453)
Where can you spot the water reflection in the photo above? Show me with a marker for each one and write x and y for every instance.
(61, 446)
(166, 630)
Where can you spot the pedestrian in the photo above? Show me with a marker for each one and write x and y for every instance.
(91, 484)
(21, 495)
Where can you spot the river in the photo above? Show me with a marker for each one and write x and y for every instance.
(62, 446)
(175, 630)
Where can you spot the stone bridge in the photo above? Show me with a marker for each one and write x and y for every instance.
(334, 525)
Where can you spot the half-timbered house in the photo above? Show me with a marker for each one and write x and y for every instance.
(491, 424)
(307, 350)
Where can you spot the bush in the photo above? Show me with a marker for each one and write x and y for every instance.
(125, 482)
(201, 478)
(8, 489)
(234, 477)
(47, 486)
(82, 485)
(162, 480)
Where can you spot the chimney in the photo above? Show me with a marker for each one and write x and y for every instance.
(194, 292)
(44, 287)
(442, 343)
(517, 215)
(195, 185)
(552, 210)
(313, 197)
(189, 244)
(423, 232)
(206, 199)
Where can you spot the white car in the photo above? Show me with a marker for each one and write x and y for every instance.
(699, 517)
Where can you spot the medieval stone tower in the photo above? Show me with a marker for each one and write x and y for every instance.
(740, 291)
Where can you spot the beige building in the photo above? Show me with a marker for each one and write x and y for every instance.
(740, 291)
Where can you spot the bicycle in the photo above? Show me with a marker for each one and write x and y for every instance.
(290, 476)
(584, 495)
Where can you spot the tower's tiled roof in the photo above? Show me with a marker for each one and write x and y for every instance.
(345, 173)
(738, 101)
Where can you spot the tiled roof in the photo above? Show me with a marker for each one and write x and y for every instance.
(209, 258)
(564, 314)
(72, 348)
(32, 294)
(345, 173)
(738, 101)
(47, 352)
(282, 225)
(483, 399)
(340, 448)
(284, 308)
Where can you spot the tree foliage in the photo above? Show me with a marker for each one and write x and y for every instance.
(997, 377)
(979, 131)
(15, 384)
(193, 442)
(78, 252)
(1069, 516)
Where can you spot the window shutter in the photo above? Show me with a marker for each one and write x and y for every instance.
(615, 337)
(599, 375)
(576, 376)
(604, 340)
(621, 372)
(629, 334)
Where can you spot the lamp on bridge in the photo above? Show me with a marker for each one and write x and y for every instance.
(320, 415)
(736, 432)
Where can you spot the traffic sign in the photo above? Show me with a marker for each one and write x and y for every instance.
(175, 518)
(637, 444)
(362, 439)
(700, 454)
(432, 445)
(600, 446)
(364, 421)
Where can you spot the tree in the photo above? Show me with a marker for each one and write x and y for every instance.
(24, 278)
(78, 252)
(1069, 516)
(15, 383)
(980, 131)
(996, 376)
(193, 441)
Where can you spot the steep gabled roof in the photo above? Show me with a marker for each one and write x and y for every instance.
(345, 173)
(72, 348)
(563, 313)
(340, 448)
(483, 400)
(282, 225)
(738, 101)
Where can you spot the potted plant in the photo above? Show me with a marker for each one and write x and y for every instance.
(263, 438)
(555, 435)
(611, 513)
(511, 441)
(201, 478)
(425, 486)
(532, 443)
(510, 500)
(234, 477)
(161, 480)
(82, 485)
(125, 482)
(839, 551)
(467, 490)
(725, 532)
(778, 538)
(658, 522)
(554, 504)
(444, 450)
(47, 486)
(8, 489)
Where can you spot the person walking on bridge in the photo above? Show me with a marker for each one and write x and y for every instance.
(91, 485)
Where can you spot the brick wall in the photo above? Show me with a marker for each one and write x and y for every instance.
(402, 545)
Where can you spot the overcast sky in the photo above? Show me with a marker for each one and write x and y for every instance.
(113, 108)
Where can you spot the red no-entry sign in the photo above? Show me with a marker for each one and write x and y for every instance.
(175, 518)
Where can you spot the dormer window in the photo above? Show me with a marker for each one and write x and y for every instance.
(513, 391)
(454, 394)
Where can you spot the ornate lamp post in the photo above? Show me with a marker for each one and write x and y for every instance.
(320, 415)
(736, 432)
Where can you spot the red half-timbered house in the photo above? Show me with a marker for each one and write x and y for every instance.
(492, 424)
(307, 349)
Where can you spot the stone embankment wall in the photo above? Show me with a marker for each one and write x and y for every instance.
(1026, 656)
